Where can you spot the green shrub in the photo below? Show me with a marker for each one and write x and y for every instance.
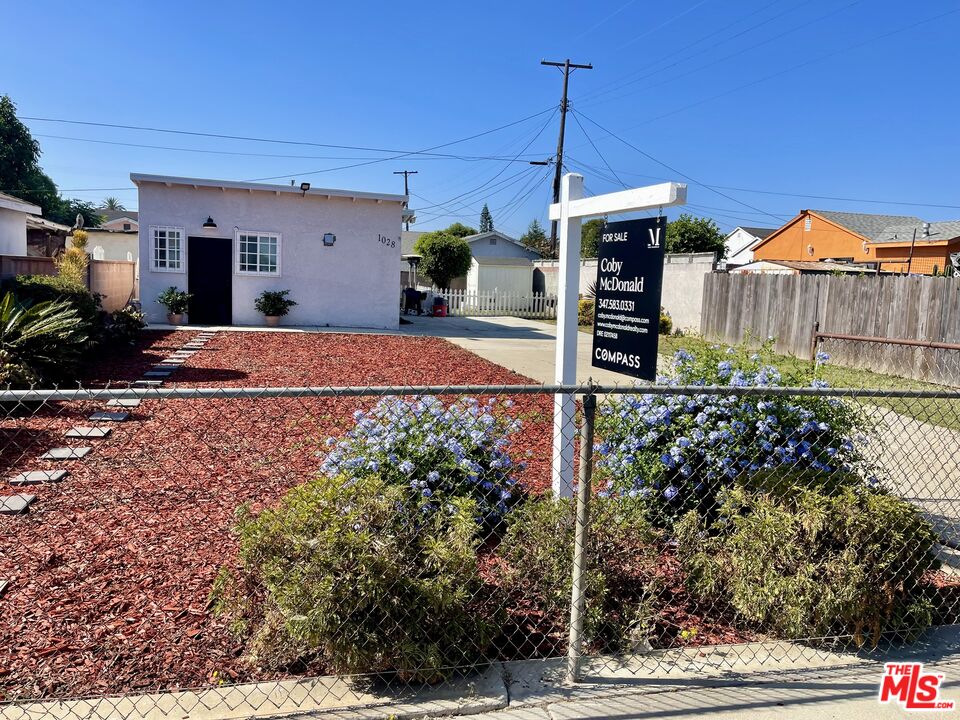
(274, 302)
(123, 326)
(536, 562)
(811, 557)
(354, 575)
(35, 289)
(40, 343)
(666, 322)
(585, 312)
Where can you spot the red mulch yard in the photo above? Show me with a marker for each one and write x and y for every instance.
(111, 569)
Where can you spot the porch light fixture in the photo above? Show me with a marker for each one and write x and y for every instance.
(304, 186)
(209, 224)
(329, 239)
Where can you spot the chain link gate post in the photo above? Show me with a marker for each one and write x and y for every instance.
(578, 597)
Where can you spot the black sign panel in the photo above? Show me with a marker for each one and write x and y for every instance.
(627, 310)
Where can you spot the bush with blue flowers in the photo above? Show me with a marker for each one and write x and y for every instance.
(441, 452)
(678, 451)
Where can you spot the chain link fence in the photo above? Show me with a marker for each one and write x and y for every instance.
(169, 550)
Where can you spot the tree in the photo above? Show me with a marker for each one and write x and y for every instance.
(689, 234)
(445, 256)
(535, 238)
(460, 230)
(590, 238)
(112, 203)
(486, 219)
(21, 176)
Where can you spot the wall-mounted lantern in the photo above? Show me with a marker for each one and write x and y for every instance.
(329, 239)
(209, 224)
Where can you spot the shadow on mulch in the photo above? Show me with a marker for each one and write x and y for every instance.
(20, 443)
(118, 364)
(189, 374)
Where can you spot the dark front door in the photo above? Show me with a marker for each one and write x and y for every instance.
(210, 280)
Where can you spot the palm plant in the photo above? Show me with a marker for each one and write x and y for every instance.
(112, 203)
(38, 342)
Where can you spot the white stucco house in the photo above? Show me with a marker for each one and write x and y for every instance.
(337, 251)
(13, 224)
(741, 242)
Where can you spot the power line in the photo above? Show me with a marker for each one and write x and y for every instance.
(674, 170)
(811, 61)
(597, 150)
(426, 156)
(614, 85)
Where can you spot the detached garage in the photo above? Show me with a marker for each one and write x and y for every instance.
(225, 242)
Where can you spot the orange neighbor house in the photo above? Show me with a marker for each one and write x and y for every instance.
(881, 242)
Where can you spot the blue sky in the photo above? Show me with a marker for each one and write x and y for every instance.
(818, 97)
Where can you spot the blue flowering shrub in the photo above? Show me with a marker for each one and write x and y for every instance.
(440, 452)
(812, 556)
(350, 575)
(677, 451)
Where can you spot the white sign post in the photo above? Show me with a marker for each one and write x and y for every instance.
(571, 211)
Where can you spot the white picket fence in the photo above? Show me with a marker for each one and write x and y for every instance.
(498, 302)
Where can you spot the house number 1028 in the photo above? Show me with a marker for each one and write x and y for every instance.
(386, 241)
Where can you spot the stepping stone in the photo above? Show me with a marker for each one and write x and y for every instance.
(157, 373)
(109, 416)
(65, 453)
(4, 584)
(173, 360)
(147, 383)
(88, 432)
(15, 504)
(38, 477)
(123, 402)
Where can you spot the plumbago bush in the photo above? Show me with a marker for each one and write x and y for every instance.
(440, 452)
(678, 451)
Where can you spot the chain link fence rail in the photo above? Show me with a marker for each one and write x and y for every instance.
(166, 551)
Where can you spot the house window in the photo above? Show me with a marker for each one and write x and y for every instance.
(808, 221)
(493, 241)
(167, 254)
(258, 253)
(126, 226)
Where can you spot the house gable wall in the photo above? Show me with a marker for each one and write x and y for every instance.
(827, 240)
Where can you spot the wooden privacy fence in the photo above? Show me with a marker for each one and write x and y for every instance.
(496, 302)
(792, 308)
(113, 280)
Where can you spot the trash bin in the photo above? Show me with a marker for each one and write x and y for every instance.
(439, 307)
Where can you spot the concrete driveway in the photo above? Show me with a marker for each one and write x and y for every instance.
(519, 344)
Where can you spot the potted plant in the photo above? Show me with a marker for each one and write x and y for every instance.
(274, 304)
(176, 302)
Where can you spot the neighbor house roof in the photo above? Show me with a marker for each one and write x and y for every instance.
(499, 235)
(938, 232)
(9, 202)
(758, 232)
(38, 223)
(868, 225)
(111, 215)
(515, 261)
(170, 180)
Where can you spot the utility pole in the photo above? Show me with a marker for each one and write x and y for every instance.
(567, 67)
(406, 189)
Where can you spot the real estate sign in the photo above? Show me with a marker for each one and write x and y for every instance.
(627, 309)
